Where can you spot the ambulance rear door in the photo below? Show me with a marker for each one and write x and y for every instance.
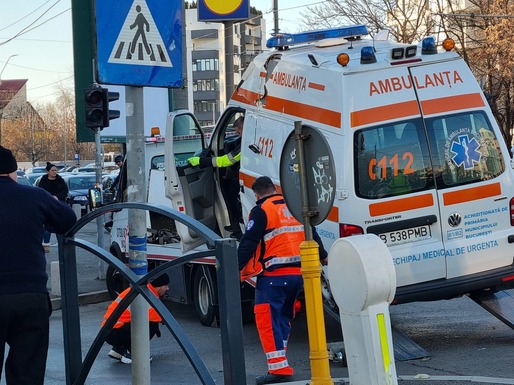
(394, 193)
(190, 189)
(474, 187)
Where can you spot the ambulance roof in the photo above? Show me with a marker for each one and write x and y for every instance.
(351, 49)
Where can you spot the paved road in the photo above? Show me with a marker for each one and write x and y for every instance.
(467, 344)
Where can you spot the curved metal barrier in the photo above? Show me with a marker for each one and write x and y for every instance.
(225, 252)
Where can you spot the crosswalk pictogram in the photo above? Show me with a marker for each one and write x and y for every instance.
(139, 41)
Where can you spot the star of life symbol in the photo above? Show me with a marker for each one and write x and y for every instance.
(465, 150)
(139, 41)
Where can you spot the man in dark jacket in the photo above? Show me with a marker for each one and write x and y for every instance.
(25, 306)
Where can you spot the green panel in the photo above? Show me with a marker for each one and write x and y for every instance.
(83, 54)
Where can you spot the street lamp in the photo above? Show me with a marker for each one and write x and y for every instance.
(5, 65)
(2, 109)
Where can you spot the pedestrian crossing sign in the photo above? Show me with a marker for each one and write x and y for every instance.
(139, 42)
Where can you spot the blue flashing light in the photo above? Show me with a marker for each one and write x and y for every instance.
(428, 46)
(282, 40)
(368, 55)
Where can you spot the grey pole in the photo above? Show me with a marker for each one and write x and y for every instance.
(99, 220)
(229, 59)
(136, 180)
(275, 16)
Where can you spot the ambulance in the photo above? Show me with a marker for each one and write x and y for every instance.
(419, 159)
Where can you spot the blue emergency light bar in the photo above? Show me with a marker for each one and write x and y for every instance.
(282, 40)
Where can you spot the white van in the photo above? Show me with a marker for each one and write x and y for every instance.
(419, 158)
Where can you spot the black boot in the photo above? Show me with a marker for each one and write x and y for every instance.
(273, 379)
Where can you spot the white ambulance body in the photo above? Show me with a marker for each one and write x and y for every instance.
(419, 158)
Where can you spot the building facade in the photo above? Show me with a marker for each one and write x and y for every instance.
(206, 65)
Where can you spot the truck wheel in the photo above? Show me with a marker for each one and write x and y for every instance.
(115, 282)
(203, 298)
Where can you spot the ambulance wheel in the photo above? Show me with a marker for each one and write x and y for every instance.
(115, 282)
(203, 298)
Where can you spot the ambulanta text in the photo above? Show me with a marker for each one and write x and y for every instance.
(394, 84)
(289, 80)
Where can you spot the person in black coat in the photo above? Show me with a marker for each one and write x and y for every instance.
(24, 302)
(56, 186)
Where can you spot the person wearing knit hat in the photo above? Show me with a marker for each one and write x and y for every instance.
(7, 161)
(55, 185)
(24, 319)
(120, 335)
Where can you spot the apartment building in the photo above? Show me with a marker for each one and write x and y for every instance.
(206, 65)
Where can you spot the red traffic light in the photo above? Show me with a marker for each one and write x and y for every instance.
(93, 98)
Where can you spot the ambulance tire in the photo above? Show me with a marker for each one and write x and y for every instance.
(115, 282)
(204, 298)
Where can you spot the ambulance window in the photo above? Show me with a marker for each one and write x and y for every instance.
(157, 163)
(465, 149)
(391, 160)
(187, 139)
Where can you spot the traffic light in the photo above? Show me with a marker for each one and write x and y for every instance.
(93, 98)
(97, 101)
(109, 114)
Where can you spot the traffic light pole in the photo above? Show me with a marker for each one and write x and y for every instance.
(136, 179)
(100, 220)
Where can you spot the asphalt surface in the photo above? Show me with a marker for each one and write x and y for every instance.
(467, 345)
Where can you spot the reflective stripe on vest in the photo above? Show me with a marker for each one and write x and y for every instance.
(283, 235)
(282, 261)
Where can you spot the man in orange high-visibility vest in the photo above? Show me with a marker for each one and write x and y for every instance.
(274, 235)
(119, 337)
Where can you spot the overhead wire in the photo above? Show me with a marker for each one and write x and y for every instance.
(31, 26)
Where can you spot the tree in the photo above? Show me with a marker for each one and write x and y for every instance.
(26, 133)
(406, 20)
(45, 132)
(481, 31)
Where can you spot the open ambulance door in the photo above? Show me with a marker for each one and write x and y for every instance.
(224, 139)
(190, 189)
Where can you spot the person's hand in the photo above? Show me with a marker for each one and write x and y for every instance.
(194, 161)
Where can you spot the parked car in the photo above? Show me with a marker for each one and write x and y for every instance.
(36, 170)
(78, 186)
(20, 172)
(83, 169)
(33, 177)
(23, 180)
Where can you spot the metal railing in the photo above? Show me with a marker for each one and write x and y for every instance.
(225, 252)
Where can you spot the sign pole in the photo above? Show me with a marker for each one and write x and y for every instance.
(311, 272)
(137, 232)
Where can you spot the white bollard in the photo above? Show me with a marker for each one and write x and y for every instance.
(363, 286)
(55, 278)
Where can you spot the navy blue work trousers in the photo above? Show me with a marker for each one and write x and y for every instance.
(24, 327)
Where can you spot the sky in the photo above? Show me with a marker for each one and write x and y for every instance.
(36, 41)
